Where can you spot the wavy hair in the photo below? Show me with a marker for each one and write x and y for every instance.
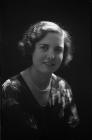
(38, 31)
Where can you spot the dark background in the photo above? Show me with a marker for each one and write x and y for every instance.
(75, 17)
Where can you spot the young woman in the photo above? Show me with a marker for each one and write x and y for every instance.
(36, 103)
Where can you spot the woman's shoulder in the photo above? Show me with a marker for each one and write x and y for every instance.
(61, 88)
(60, 82)
(10, 90)
(11, 84)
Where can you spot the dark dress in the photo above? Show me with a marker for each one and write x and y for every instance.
(23, 118)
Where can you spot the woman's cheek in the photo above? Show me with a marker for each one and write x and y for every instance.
(59, 61)
(60, 57)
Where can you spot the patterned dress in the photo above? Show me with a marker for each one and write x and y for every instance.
(23, 118)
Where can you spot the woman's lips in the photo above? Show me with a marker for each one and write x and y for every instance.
(49, 63)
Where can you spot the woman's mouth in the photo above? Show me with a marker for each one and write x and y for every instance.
(49, 64)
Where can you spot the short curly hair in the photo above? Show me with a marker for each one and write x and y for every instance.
(38, 31)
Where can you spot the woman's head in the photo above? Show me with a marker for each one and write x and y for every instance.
(50, 37)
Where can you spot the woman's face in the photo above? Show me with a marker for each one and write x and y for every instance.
(48, 53)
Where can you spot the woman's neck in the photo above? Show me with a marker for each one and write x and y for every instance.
(41, 80)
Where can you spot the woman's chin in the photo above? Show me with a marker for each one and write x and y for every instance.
(47, 70)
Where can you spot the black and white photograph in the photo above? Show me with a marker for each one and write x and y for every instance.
(45, 71)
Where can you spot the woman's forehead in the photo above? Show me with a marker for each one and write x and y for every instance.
(55, 38)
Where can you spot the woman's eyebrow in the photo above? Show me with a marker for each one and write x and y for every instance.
(43, 44)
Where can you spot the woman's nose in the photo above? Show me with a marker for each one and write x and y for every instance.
(51, 56)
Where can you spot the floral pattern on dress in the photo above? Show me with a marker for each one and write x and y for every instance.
(62, 97)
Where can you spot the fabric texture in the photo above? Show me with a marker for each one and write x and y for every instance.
(23, 118)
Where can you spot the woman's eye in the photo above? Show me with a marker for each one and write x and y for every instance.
(44, 47)
(58, 49)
